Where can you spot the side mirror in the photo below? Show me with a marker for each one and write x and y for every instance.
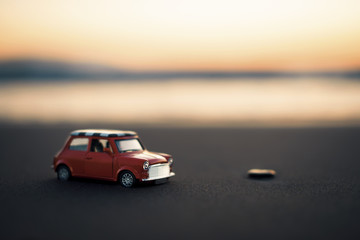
(107, 150)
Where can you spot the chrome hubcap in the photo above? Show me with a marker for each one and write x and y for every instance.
(127, 180)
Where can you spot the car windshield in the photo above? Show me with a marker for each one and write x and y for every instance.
(128, 145)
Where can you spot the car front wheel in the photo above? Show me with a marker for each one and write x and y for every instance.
(63, 173)
(127, 179)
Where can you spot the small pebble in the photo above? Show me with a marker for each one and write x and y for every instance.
(261, 173)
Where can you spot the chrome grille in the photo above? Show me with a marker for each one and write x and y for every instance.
(159, 170)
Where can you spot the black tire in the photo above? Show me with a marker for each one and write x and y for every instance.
(63, 173)
(127, 179)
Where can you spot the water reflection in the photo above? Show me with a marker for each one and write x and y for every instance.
(186, 102)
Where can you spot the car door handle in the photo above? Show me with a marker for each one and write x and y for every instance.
(89, 158)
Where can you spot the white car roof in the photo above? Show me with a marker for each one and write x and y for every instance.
(102, 133)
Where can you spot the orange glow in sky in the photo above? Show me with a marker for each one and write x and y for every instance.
(187, 34)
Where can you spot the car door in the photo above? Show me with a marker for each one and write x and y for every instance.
(75, 155)
(98, 162)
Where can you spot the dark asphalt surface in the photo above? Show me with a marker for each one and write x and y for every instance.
(316, 194)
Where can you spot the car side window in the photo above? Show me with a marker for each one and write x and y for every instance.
(79, 144)
(98, 145)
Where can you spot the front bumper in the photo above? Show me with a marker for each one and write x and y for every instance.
(158, 171)
(157, 178)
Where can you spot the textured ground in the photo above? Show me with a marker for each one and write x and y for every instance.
(315, 195)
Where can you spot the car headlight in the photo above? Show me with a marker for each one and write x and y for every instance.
(146, 165)
(171, 160)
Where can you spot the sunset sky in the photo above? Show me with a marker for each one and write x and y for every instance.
(187, 34)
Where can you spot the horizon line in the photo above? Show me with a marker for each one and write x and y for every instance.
(174, 70)
(29, 68)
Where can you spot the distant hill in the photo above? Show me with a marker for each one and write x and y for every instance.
(35, 69)
(39, 69)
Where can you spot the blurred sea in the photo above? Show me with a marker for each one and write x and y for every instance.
(185, 102)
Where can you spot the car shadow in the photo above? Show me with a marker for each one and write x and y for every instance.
(90, 181)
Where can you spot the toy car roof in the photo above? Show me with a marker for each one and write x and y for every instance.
(102, 133)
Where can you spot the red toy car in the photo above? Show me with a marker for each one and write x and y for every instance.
(110, 155)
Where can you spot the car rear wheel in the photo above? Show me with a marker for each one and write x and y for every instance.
(127, 179)
(63, 173)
